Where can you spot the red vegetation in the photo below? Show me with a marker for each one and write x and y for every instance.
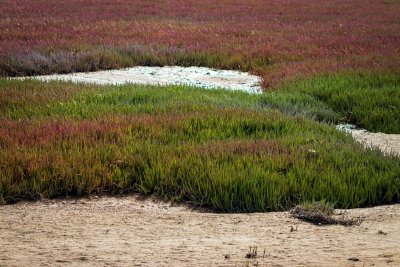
(27, 133)
(367, 32)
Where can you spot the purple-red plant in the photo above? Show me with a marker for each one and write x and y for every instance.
(323, 35)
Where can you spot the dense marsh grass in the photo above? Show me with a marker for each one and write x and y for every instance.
(31, 99)
(230, 151)
(107, 57)
(215, 148)
(370, 100)
(278, 39)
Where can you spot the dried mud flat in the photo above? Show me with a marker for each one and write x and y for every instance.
(130, 231)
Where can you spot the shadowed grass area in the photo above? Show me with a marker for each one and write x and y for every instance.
(215, 148)
(83, 59)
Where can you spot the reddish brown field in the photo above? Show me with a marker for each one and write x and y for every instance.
(276, 38)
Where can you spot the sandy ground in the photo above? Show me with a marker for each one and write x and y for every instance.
(388, 143)
(195, 76)
(132, 232)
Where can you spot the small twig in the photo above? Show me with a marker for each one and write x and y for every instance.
(382, 232)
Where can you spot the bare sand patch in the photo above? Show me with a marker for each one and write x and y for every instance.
(169, 75)
(130, 231)
(388, 143)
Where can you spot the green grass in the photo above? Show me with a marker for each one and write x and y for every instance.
(368, 100)
(229, 151)
(34, 99)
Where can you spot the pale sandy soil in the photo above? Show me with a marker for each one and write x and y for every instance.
(388, 143)
(132, 232)
(194, 76)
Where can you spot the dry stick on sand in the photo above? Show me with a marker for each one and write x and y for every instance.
(320, 214)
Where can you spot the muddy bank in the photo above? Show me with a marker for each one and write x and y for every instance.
(133, 232)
